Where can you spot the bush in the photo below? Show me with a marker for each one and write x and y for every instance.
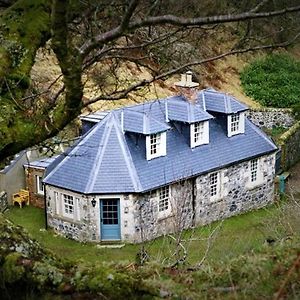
(273, 81)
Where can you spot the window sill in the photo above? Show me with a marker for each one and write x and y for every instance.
(67, 219)
(164, 217)
(254, 186)
(214, 199)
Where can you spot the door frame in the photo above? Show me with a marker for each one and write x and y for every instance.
(107, 197)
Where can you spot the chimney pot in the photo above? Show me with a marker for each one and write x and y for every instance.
(187, 87)
(183, 80)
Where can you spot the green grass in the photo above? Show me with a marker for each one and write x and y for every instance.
(234, 236)
(275, 132)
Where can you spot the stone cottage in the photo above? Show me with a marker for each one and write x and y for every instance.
(12, 176)
(150, 169)
(34, 173)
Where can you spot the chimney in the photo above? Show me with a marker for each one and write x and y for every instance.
(187, 88)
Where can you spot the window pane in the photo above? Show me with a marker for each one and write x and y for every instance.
(155, 143)
(213, 183)
(163, 203)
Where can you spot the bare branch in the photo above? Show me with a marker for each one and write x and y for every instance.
(117, 32)
(259, 6)
(131, 8)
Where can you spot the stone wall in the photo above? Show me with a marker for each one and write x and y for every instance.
(150, 223)
(3, 201)
(290, 147)
(83, 227)
(35, 198)
(271, 117)
(237, 194)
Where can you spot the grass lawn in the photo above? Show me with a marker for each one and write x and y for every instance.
(232, 237)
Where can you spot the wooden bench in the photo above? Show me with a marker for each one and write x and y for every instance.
(21, 197)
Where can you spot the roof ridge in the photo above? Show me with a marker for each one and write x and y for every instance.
(203, 100)
(260, 132)
(227, 104)
(128, 158)
(232, 98)
(94, 171)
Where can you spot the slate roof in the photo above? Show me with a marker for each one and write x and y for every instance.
(185, 111)
(220, 102)
(143, 123)
(95, 117)
(110, 160)
(42, 163)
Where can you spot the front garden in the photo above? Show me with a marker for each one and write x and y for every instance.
(219, 241)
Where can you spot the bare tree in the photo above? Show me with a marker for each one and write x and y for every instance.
(109, 33)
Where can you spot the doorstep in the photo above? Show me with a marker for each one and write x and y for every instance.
(111, 246)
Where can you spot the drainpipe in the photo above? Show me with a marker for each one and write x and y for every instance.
(194, 199)
(45, 209)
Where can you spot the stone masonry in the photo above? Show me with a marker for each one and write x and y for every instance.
(35, 198)
(150, 223)
(271, 117)
(237, 195)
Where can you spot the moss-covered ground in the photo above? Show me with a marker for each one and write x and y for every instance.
(221, 240)
(252, 256)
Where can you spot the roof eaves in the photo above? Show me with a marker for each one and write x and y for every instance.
(262, 134)
(69, 153)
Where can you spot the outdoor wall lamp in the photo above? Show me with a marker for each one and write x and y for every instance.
(94, 202)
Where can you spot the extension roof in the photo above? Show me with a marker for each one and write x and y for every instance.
(111, 157)
(42, 163)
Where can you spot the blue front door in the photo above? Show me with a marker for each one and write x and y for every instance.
(110, 219)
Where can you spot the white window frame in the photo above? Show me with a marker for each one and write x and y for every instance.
(236, 124)
(164, 199)
(214, 185)
(39, 185)
(199, 133)
(159, 146)
(254, 170)
(67, 206)
(255, 173)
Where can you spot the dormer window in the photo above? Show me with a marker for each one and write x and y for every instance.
(155, 145)
(155, 141)
(236, 123)
(199, 133)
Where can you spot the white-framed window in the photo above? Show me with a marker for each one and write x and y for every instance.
(199, 133)
(253, 170)
(164, 199)
(255, 173)
(236, 123)
(68, 205)
(155, 145)
(214, 184)
(39, 184)
(155, 142)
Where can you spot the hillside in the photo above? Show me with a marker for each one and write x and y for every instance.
(223, 75)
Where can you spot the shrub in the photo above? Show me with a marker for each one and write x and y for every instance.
(273, 81)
